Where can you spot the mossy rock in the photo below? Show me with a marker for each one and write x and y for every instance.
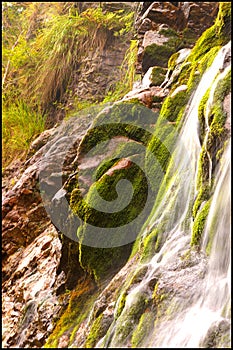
(102, 261)
(201, 115)
(189, 38)
(172, 60)
(217, 35)
(80, 302)
(103, 258)
(157, 77)
(143, 329)
(156, 55)
(98, 329)
(173, 107)
(199, 224)
(217, 133)
(121, 303)
(151, 245)
(203, 195)
(129, 318)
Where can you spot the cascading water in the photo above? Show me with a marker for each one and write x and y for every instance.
(191, 318)
(192, 325)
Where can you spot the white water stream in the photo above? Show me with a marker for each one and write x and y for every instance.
(213, 303)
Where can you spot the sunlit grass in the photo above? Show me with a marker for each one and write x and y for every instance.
(20, 125)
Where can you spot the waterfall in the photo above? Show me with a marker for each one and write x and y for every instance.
(217, 289)
(212, 303)
(207, 303)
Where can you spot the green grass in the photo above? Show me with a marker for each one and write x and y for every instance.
(20, 125)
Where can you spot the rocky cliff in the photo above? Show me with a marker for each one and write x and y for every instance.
(88, 263)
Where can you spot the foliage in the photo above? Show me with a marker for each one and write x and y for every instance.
(20, 124)
(43, 45)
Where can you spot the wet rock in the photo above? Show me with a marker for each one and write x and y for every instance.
(218, 336)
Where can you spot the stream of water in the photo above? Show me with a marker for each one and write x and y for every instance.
(212, 305)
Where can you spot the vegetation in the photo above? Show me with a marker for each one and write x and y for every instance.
(20, 124)
(199, 224)
(43, 46)
(80, 301)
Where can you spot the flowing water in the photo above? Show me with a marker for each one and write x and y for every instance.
(208, 302)
(213, 303)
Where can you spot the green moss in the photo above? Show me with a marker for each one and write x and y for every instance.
(121, 303)
(150, 246)
(203, 169)
(173, 107)
(223, 88)
(131, 317)
(100, 261)
(204, 51)
(158, 294)
(80, 302)
(103, 262)
(217, 133)
(157, 77)
(168, 32)
(172, 60)
(201, 115)
(143, 329)
(138, 275)
(203, 195)
(158, 54)
(97, 331)
(223, 22)
(188, 37)
(103, 167)
(199, 224)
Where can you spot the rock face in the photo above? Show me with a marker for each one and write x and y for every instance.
(167, 27)
(54, 294)
(28, 311)
(94, 77)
